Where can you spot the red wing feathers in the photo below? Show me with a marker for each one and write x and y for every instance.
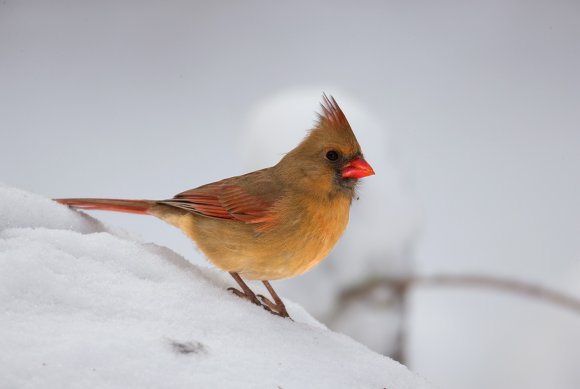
(243, 206)
(221, 200)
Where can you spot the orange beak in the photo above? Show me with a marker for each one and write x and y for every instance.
(357, 168)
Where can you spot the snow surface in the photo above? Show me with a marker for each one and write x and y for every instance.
(85, 306)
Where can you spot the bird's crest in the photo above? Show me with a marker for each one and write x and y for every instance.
(331, 113)
(332, 125)
(331, 130)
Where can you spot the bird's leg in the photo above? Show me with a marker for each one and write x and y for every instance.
(277, 307)
(247, 292)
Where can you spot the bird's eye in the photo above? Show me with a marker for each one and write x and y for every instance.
(332, 155)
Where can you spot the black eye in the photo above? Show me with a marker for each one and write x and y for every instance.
(332, 155)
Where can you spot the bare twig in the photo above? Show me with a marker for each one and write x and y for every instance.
(400, 286)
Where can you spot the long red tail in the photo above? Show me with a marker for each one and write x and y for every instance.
(129, 206)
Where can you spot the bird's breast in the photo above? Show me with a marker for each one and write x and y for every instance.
(306, 234)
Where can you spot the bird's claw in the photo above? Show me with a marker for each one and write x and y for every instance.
(252, 298)
(266, 301)
(275, 309)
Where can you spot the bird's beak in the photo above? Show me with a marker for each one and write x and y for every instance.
(357, 168)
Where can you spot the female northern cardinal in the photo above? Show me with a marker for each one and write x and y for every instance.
(273, 223)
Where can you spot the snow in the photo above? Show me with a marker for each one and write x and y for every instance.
(383, 222)
(20, 209)
(86, 306)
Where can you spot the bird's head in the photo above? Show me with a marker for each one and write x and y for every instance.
(329, 161)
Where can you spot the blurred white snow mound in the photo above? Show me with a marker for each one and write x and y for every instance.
(82, 307)
(383, 223)
(19, 208)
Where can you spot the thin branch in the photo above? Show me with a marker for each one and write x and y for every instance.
(400, 286)
(508, 285)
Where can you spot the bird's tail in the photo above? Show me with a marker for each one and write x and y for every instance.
(128, 206)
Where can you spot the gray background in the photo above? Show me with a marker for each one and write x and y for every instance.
(481, 101)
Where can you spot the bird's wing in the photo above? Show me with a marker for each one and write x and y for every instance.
(249, 199)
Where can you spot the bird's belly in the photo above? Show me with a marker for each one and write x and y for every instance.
(297, 246)
(287, 250)
(296, 256)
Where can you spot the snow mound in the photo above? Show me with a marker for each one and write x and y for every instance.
(84, 307)
(24, 209)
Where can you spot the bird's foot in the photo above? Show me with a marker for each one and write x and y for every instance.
(278, 309)
(248, 296)
(262, 302)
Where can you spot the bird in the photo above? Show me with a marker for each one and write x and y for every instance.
(270, 224)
